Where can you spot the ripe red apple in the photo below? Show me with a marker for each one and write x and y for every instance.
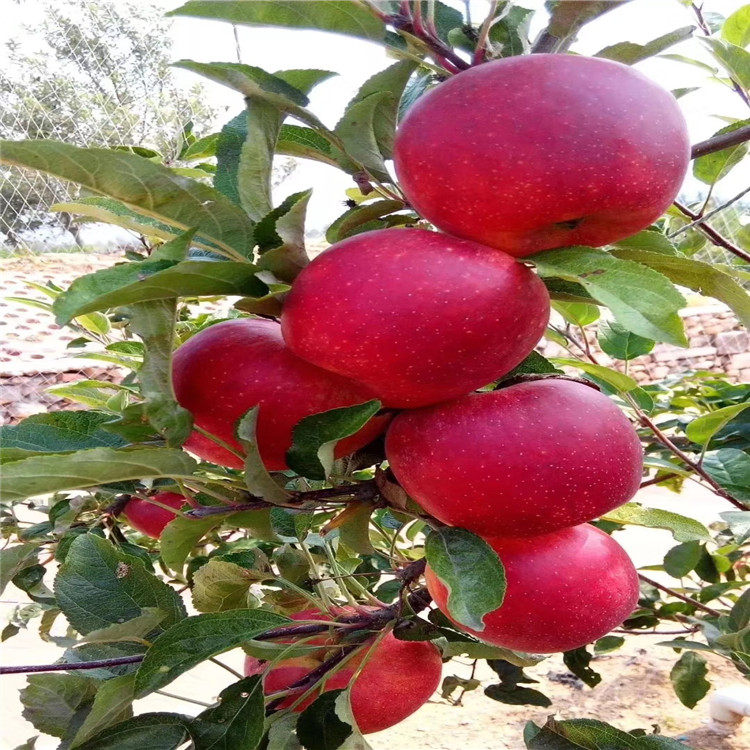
(523, 460)
(150, 519)
(223, 371)
(565, 590)
(417, 316)
(398, 678)
(541, 151)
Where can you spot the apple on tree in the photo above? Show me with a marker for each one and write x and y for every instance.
(224, 370)
(398, 677)
(526, 459)
(417, 316)
(564, 590)
(540, 151)
(149, 518)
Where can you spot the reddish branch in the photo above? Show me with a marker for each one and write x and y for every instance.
(720, 142)
(100, 664)
(712, 234)
(677, 595)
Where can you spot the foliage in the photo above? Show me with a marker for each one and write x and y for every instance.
(254, 547)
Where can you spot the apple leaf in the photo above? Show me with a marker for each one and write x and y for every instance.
(736, 29)
(51, 702)
(14, 559)
(683, 558)
(339, 16)
(730, 467)
(683, 529)
(281, 735)
(164, 731)
(319, 726)
(697, 275)
(713, 167)
(651, 240)
(236, 722)
(578, 661)
(589, 734)
(314, 438)
(196, 639)
(618, 380)
(471, 571)
(620, 343)
(39, 475)
(180, 536)
(566, 19)
(351, 222)
(738, 522)
(630, 53)
(511, 30)
(112, 704)
(642, 300)
(305, 143)
(735, 60)
(220, 585)
(688, 678)
(153, 189)
(95, 570)
(702, 429)
(56, 432)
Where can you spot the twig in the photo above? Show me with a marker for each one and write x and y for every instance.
(658, 480)
(99, 664)
(702, 218)
(677, 595)
(480, 50)
(696, 467)
(182, 698)
(712, 234)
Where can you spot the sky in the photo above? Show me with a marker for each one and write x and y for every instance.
(355, 60)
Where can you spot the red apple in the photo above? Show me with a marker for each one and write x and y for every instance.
(523, 460)
(541, 151)
(398, 678)
(150, 519)
(565, 590)
(417, 316)
(223, 371)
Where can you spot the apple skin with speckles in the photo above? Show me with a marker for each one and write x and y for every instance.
(223, 371)
(398, 678)
(150, 519)
(564, 590)
(523, 460)
(543, 151)
(417, 316)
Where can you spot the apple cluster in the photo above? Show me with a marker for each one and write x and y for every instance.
(506, 159)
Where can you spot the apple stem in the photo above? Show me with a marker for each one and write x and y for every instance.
(480, 51)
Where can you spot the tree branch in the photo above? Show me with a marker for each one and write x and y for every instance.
(703, 218)
(712, 234)
(101, 663)
(677, 595)
(720, 142)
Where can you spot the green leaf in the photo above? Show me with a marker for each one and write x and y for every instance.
(477, 650)
(730, 467)
(683, 558)
(511, 31)
(319, 726)
(736, 29)
(56, 432)
(257, 479)
(650, 240)
(236, 723)
(355, 529)
(517, 696)
(352, 221)
(281, 734)
(713, 167)
(702, 429)
(305, 143)
(620, 343)
(52, 702)
(471, 571)
(683, 529)
(618, 380)
(608, 643)
(739, 617)
(314, 438)
(688, 677)
(112, 704)
(578, 661)
(180, 536)
(98, 585)
(588, 734)
(198, 638)
(630, 53)
(696, 275)
(735, 60)
(577, 313)
(642, 300)
(151, 188)
(339, 16)
(157, 731)
(534, 364)
(14, 559)
(568, 18)
(39, 475)
(154, 323)
(219, 586)
(738, 522)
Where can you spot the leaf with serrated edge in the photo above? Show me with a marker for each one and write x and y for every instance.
(683, 529)
(471, 571)
(112, 704)
(39, 475)
(198, 638)
(180, 537)
(688, 677)
(151, 731)
(702, 429)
